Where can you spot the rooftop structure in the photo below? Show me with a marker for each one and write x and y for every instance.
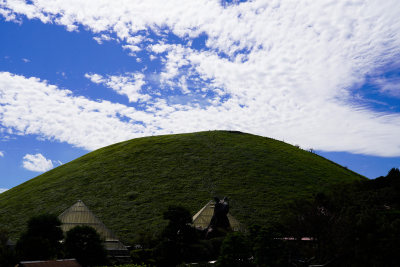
(203, 217)
(79, 214)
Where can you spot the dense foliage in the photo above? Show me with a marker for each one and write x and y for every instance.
(178, 243)
(235, 251)
(84, 244)
(128, 185)
(7, 254)
(42, 239)
(348, 225)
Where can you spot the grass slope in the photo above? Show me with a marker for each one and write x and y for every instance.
(128, 185)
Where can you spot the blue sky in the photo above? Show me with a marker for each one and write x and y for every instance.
(77, 76)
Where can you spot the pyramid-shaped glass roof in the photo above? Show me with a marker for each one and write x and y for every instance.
(203, 217)
(79, 214)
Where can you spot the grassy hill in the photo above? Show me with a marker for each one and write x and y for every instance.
(128, 185)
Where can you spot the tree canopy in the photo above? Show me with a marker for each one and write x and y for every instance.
(85, 244)
(41, 241)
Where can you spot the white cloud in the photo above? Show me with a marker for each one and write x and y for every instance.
(103, 37)
(287, 69)
(21, 7)
(129, 84)
(96, 78)
(91, 124)
(8, 15)
(159, 48)
(132, 48)
(64, 117)
(1, 154)
(37, 163)
(3, 190)
(389, 85)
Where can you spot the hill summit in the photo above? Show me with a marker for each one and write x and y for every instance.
(130, 184)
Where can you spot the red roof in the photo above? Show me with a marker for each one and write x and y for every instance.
(53, 263)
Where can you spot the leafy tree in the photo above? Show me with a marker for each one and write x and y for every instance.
(42, 239)
(178, 238)
(235, 251)
(267, 246)
(394, 173)
(84, 244)
(7, 255)
(352, 225)
(178, 228)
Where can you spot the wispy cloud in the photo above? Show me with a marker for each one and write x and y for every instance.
(8, 15)
(63, 117)
(3, 190)
(129, 84)
(1, 154)
(272, 68)
(389, 86)
(104, 37)
(37, 163)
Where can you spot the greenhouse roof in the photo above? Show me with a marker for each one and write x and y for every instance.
(79, 214)
(203, 217)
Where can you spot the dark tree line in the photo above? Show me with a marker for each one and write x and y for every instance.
(43, 240)
(355, 224)
(352, 225)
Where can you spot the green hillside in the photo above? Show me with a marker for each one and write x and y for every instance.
(128, 185)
